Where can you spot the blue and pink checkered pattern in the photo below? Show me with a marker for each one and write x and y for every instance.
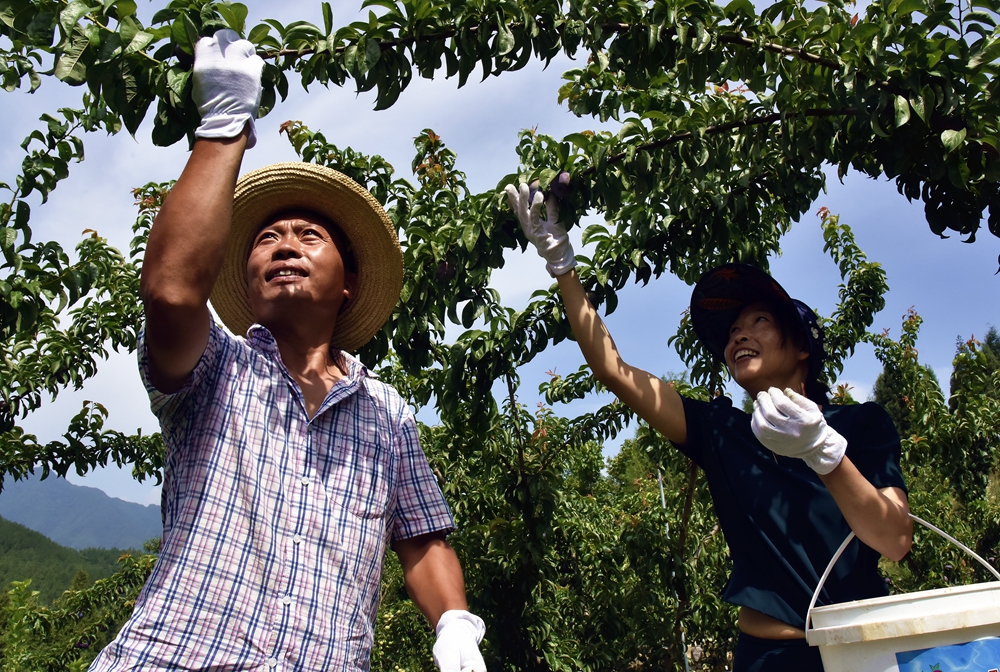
(275, 525)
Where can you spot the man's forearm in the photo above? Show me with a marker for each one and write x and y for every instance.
(188, 238)
(183, 256)
(433, 575)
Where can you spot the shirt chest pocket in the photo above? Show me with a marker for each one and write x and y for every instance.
(357, 475)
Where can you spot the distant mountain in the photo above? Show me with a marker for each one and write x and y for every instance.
(26, 554)
(78, 516)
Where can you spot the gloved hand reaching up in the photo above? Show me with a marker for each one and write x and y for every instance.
(548, 236)
(226, 85)
(457, 646)
(792, 425)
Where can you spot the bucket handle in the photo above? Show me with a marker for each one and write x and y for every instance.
(843, 547)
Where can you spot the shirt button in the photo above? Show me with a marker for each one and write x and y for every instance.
(297, 539)
(305, 481)
(272, 662)
(286, 600)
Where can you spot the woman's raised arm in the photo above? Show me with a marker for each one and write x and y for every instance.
(652, 399)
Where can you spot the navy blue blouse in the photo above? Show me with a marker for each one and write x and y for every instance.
(780, 522)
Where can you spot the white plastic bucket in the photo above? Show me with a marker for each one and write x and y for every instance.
(948, 630)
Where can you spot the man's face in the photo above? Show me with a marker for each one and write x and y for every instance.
(295, 266)
(759, 356)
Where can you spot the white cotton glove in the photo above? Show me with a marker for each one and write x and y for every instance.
(792, 425)
(457, 646)
(226, 85)
(548, 235)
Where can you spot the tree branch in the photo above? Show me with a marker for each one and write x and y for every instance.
(723, 128)
(616, 28)
(802, 54)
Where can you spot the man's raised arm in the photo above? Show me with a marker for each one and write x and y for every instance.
(188, 239)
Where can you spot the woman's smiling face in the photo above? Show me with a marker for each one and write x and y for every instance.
(759, 355)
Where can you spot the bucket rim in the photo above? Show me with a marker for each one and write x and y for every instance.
(871, 623)
(880, 628)
(836, 556)
(987, 586)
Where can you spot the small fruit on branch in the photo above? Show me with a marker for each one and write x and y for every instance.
(562, 187)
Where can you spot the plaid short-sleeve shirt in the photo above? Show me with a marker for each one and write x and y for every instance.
(275, 525)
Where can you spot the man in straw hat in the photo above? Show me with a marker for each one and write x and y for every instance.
(289, 468)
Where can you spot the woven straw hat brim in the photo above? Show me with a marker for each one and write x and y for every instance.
(263, 193)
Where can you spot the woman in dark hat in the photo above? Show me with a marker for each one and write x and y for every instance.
(790, 482)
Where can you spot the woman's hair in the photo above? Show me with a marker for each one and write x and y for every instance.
(816, 389)
(791, 327)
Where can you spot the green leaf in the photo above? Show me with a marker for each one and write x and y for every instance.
(128, 29)
(602, 60)
(902, 110)
(179, 34)
(992, 141)
(877, 127)
(904, 7)
(190, 29)
(177, 80)
(505, 38)
(259, 32)
(545, 177)
(235, 15)
(952, 140)
(739, 6)
(7, 238)
(123, 8)
(163, 16)
(987, 54)
(71, 14)
(69, 67)
(111, 47)
(864, 31)
(373, 52)
(327, 18)
(141, 40)
(21, 215)
(919, 106)
(582, 140)
(981, 17)
(471, 236)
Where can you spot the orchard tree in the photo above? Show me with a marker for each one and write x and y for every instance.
(951, 454)
(727, 117)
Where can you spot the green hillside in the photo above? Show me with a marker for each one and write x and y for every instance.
(26, 554)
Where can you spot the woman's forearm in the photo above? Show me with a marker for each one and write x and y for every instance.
(880, 517)
(652, 399)
(592, 336)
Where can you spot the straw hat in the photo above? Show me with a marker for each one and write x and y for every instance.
(261, 194)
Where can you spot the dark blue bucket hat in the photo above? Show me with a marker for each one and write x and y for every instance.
(722, 293)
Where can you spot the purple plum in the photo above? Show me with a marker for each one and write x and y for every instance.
(533, 189)
(562, 187)
(445, 271)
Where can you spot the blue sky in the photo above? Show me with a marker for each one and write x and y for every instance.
(950, 283)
